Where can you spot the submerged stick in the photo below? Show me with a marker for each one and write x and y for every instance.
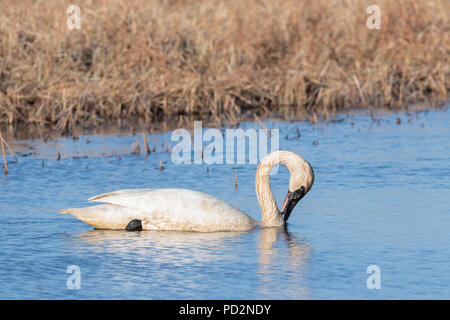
(235, 180)
(263, 125)
(4, 157)
(8, 148)
(136, 148)
(147, 148)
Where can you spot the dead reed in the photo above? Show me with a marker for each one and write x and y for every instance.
(136, 149)
(146, 146)
(235, 180)
(145, 61)
(5, 164)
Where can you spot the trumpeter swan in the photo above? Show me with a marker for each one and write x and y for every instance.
(188, 210)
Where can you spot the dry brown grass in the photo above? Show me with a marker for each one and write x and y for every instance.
(145, 61)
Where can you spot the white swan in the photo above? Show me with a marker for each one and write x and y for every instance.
(187, 210)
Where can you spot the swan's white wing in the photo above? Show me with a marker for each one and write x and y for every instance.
(174, 209)
(169, 201)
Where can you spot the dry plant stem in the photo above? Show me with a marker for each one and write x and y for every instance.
(136, 148)
(4, 157)
(147, 148)
(8, 148)
(235, 180)
(262, 124)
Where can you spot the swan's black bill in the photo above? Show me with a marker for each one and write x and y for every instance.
(134, 225)
(291, 200)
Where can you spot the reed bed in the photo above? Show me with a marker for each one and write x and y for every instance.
(137, 63)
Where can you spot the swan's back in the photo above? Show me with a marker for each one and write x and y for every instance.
(163, 209)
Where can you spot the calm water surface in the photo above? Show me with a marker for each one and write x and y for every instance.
(381, 197)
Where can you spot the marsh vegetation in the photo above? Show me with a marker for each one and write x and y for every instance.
(136, 63)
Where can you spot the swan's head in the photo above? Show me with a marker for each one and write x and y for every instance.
(300, 182)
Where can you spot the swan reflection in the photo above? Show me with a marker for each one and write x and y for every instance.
(277, 253)
(167, 246)
(294, 253)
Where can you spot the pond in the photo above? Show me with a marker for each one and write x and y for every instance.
(380, 198)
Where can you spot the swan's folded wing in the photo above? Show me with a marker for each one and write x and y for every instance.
(118, 194)
(146, 200)
(162, 200)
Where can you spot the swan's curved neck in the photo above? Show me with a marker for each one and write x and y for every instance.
(301, 175)
(271, 216)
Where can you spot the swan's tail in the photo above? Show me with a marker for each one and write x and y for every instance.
(104, 216)
(68, 210)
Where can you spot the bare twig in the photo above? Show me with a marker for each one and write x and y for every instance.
(235, 180)
(263, 125)
(136, 148)
(147, 148)
(4, 158)
(8, 148)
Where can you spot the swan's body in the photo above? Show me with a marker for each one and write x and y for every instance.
(187, 210)
(163, 209)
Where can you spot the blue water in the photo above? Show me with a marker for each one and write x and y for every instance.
(381, 197)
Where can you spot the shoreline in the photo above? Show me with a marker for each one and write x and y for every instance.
(48, 147)
(33, 132)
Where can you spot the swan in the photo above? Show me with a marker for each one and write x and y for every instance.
(188, 210)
